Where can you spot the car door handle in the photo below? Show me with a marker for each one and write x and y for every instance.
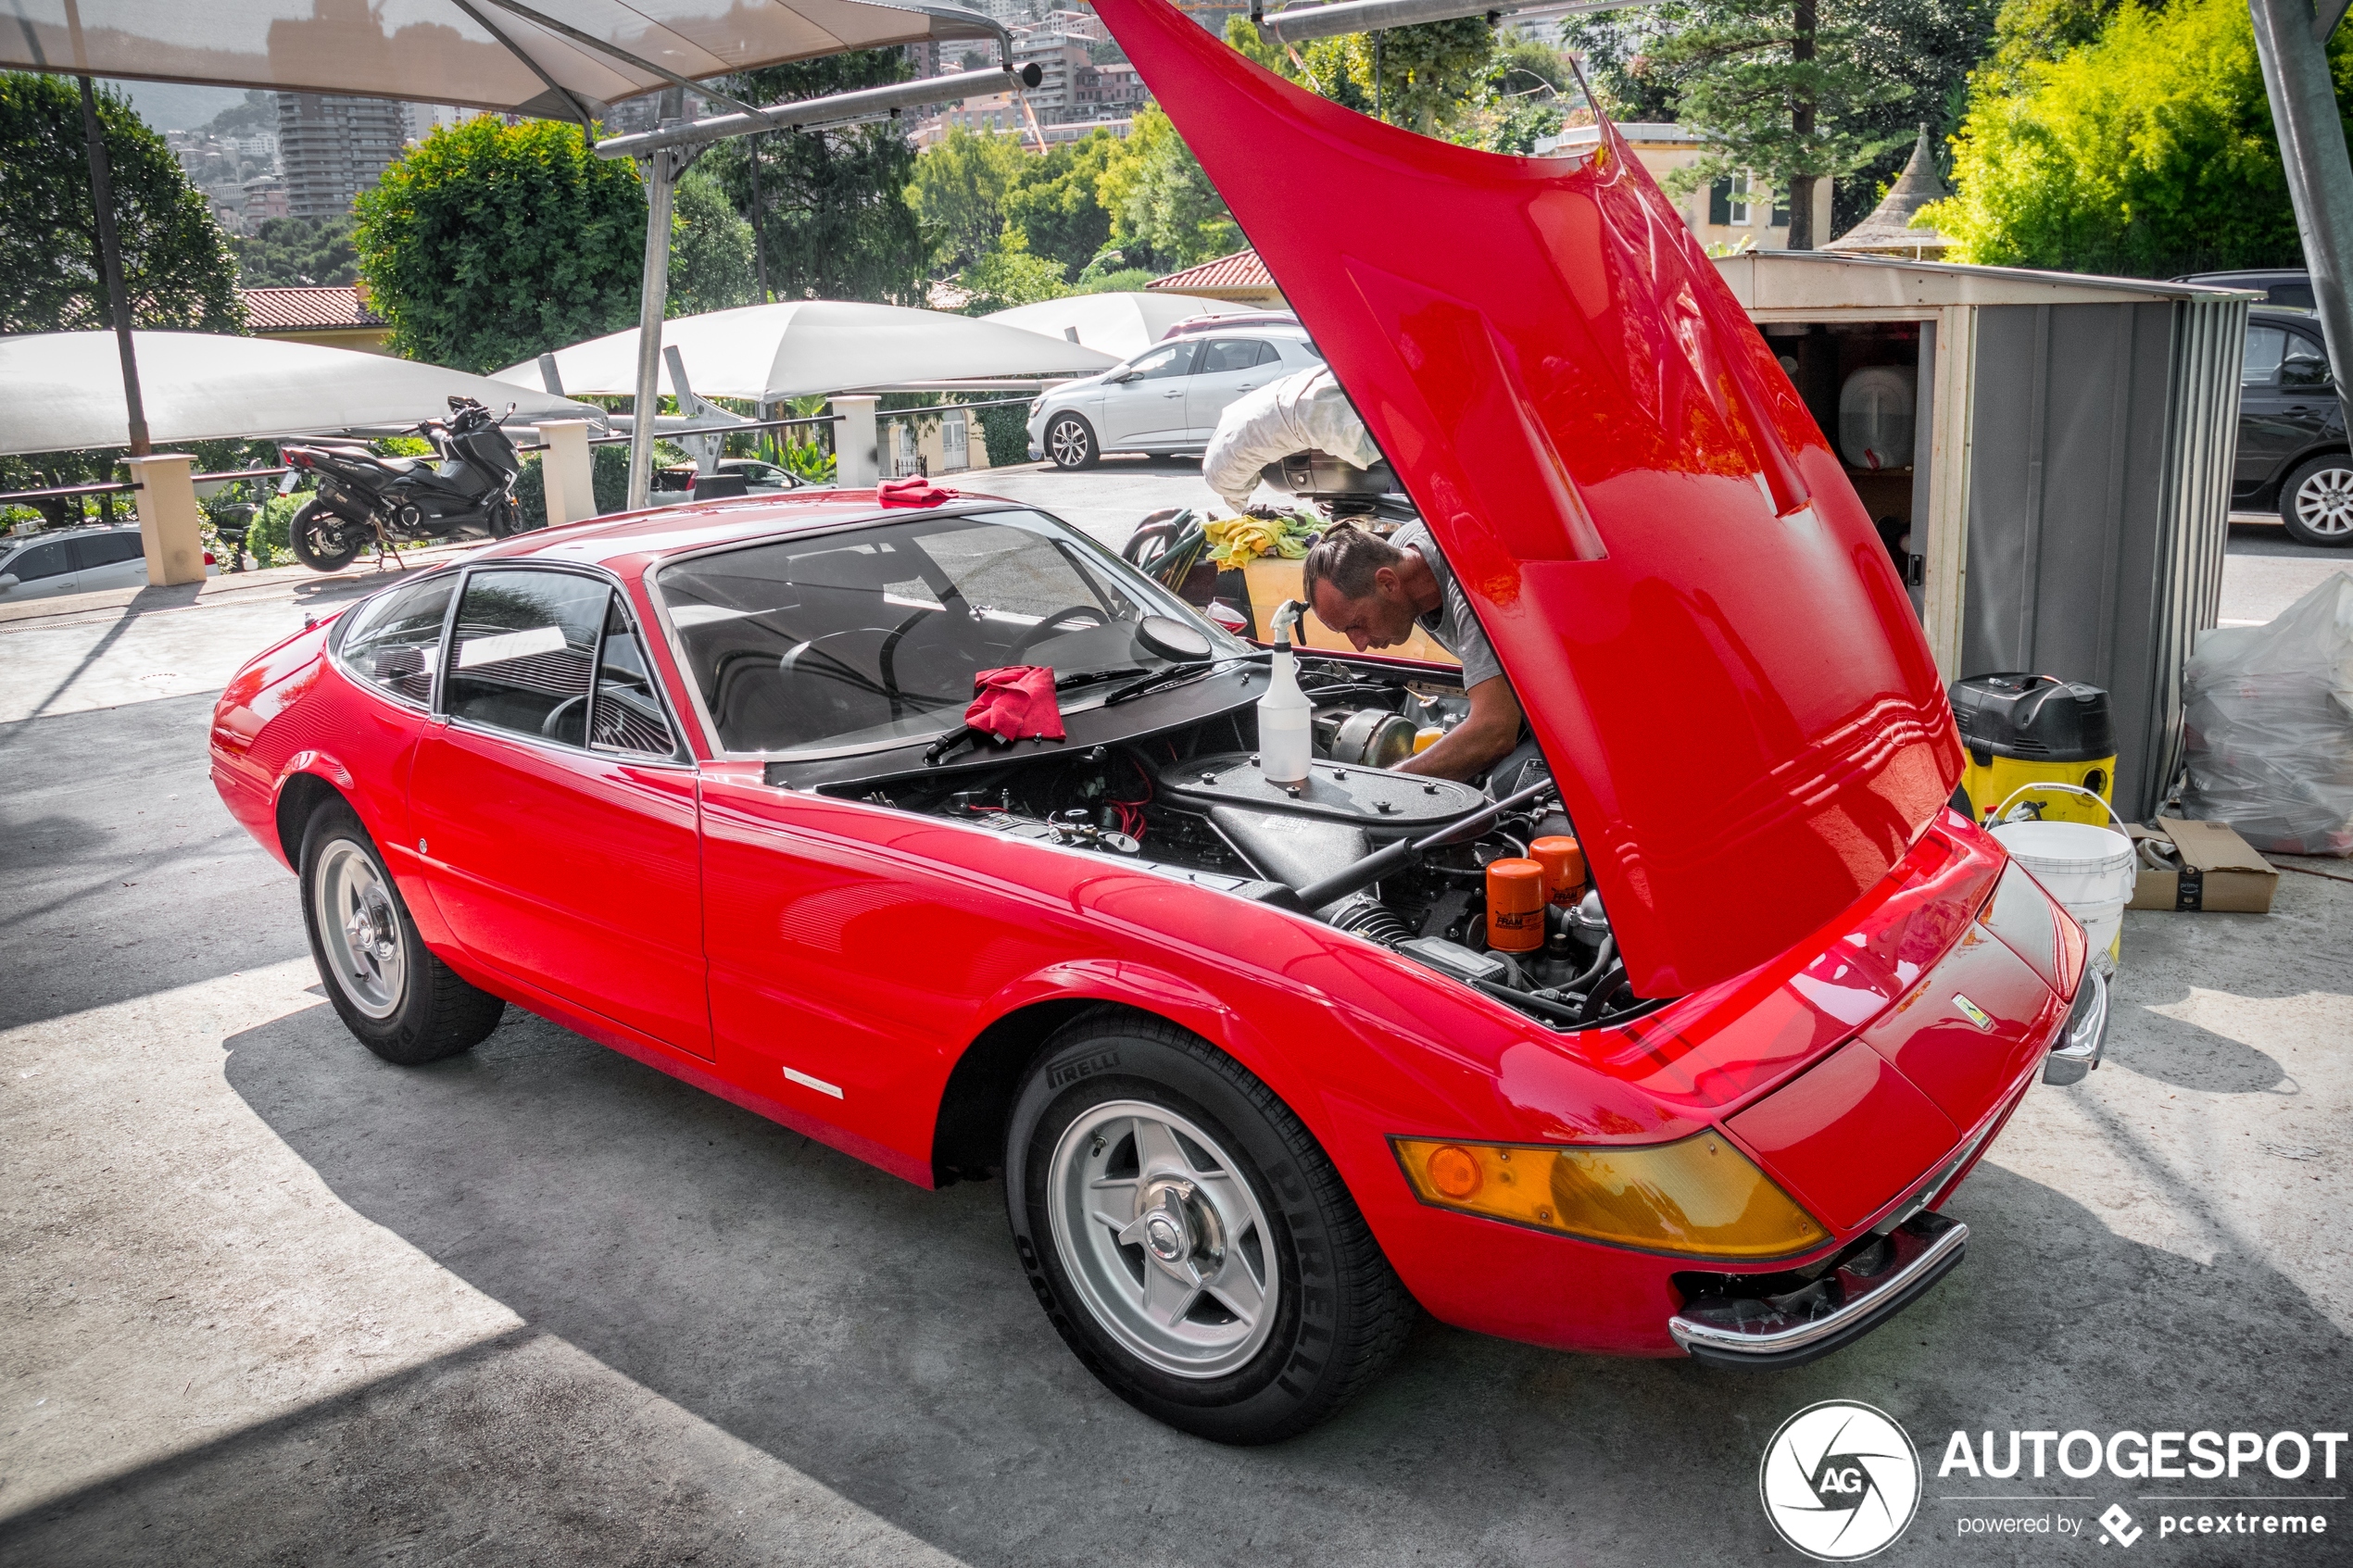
(1178, 392)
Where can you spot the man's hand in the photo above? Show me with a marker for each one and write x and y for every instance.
(1479, 742)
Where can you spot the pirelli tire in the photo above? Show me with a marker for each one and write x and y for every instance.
(1189, 1239)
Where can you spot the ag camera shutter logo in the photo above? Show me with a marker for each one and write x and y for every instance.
(1841, 1480)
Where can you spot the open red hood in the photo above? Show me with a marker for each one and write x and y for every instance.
(1692, 603)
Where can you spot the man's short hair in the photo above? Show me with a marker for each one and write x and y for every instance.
(1346, 557)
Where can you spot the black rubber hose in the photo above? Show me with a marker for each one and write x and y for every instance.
(1535, 1004)
(1602, 957)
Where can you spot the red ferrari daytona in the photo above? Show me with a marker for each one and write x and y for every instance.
(690, 783)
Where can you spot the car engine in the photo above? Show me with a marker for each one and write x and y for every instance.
(1190, 802)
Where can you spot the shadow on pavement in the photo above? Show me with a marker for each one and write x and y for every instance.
(880, 1339)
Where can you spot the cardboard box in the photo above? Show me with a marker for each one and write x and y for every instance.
(2220, 871)
(1272, 580)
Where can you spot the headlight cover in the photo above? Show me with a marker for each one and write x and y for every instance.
(1699, 1197)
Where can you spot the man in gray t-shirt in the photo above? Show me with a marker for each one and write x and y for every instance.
(1375, 590)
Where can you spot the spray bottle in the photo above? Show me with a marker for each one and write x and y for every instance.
(1285, 717)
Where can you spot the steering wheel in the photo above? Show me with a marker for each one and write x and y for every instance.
(1047, 627)
(548, 725)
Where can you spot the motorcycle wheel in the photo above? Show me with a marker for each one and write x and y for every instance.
(323, 540)
(506, 517)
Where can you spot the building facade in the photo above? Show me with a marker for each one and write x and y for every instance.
(1733, 214)
(330, 149)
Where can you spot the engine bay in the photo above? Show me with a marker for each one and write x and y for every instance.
(1189, 802)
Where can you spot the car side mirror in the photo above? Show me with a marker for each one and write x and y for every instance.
(1126, 376)
(7, 580)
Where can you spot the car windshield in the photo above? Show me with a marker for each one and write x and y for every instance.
(871, 637)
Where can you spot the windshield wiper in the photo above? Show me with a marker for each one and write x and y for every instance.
(1169, 677)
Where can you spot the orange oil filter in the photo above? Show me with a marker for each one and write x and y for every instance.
(1514, 906)
(1564, 865)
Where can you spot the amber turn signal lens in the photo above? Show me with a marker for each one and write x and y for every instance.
(1700, 1197)
(1455, 1171)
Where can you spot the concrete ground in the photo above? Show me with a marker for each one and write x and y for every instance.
(270, 1300)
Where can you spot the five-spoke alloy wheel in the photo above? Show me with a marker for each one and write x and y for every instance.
(1188, 1238)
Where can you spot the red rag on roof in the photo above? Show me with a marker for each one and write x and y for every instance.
(1016, 703)
(912, 491)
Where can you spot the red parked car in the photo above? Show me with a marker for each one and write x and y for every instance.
(687, 783)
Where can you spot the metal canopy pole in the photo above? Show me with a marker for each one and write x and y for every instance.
(111, 269)
(2292, 46)
(660, 166)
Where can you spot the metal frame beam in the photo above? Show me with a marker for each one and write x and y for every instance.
(820, 114)
(1302, 22)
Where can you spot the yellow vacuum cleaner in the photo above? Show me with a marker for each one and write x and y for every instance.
(2024, 729)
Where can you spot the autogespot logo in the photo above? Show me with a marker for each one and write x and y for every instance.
(1840, 1481)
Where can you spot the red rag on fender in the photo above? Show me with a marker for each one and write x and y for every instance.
(912, 491)
(1016, 703)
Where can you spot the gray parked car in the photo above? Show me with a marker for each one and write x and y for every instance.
(1165, 400)
(71, 560)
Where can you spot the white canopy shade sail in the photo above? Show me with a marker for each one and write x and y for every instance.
(63, 391)
(1121, 324)
(766, 353)
(488, 53)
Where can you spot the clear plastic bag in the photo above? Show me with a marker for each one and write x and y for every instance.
(2268, 726)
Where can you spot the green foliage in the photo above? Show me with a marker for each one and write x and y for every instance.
(1780, 92)
(258, 112)
(1004, 429)
(607, 480)
(1160, 202)
(834, 214)
(2147, 152)
(176, 269)
(1460, 81)
(959, 191)
(1053, 200)
(1915, 56)
(487, 244)
(296, 252)
(1007, 275)
(711, 265)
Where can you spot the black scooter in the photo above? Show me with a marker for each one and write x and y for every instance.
(365, 500)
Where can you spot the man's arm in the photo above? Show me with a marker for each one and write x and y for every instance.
(1479, 742)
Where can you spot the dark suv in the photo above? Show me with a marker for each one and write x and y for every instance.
(2292, 451)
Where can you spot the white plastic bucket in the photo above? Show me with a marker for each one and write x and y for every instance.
(2090, 870)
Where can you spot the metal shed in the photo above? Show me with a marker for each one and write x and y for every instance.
(2065, 496)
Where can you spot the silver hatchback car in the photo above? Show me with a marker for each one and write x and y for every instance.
(1165, 400)
(70, 560)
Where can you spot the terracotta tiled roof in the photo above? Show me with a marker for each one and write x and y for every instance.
(1240, 270)
(297, 310)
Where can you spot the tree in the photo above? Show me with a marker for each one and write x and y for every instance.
(258, 112)
(711, 262)
(1161, 205)
(832, 218)
(2147, 152)
(1914, 54)
(1780, 93)
(959, 191)
(296, 252)
(1055, 202)
(487, 244)
(1461, 80)
(176, 268)
(1007, 275)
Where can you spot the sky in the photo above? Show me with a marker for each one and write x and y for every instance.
(169, 105)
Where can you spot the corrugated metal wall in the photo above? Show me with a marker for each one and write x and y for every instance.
(2099, 491)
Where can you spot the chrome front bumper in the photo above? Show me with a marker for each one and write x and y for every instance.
(2080, 1043)
(1871, 1281)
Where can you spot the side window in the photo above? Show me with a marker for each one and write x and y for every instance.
(93, 550)
(1268, 354)
(36, 561)
(1173, 359)
(1313, 352)
(522, 651)
(393, 638)
(1229, 353)
(2305, 364)
(2264, 347)
(627, 713)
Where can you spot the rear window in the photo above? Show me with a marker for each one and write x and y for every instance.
(872, 637)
